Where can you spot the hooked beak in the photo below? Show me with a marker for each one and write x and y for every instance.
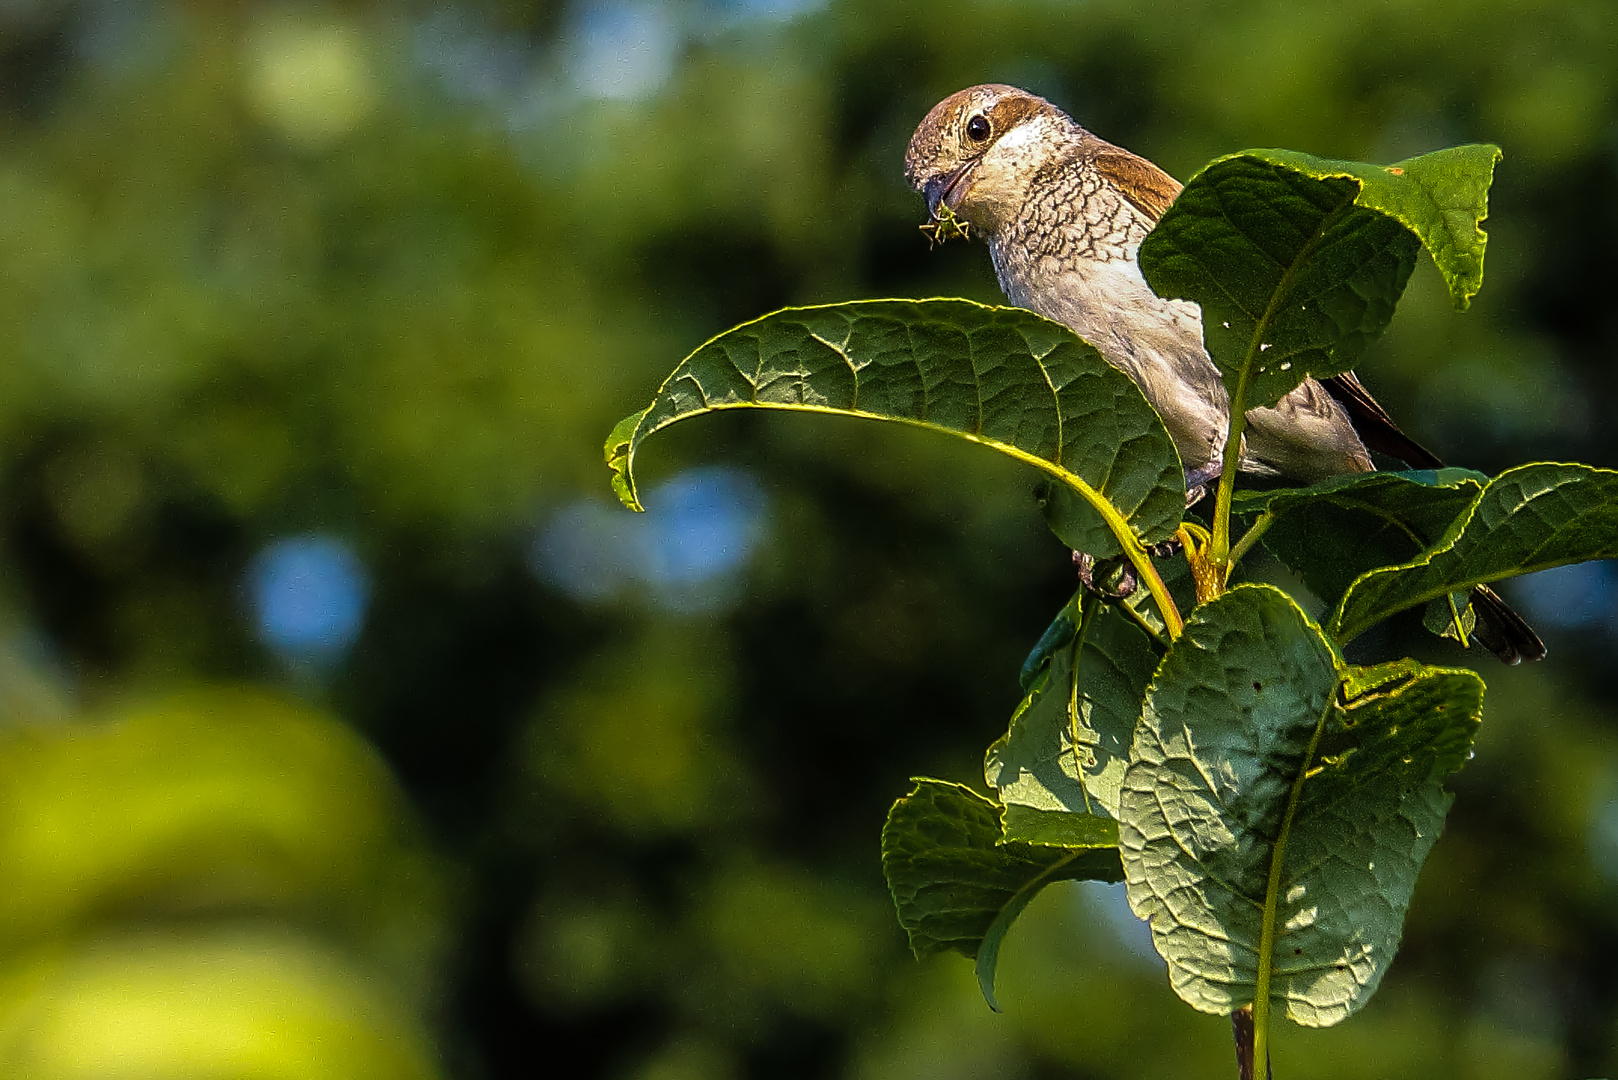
(949, 189)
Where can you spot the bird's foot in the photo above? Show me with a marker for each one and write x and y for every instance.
(1197, 481)
(1111, 579)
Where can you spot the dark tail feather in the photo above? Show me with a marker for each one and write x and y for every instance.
(1375, 427)
(1502, 631)
(1499, 629)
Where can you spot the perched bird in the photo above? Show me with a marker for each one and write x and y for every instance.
(1064, 214)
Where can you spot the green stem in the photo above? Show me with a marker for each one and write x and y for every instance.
(1272, 894)
(1139, 620)
(1219, 549)
(1088, 608)
(1219, 546)
(1139, 557)
(1249, 538)
(1455, 620)
(1142, 560)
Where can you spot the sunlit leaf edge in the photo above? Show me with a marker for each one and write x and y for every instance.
(1250, 502)
(1383, 187)
(626, 436)
(1095, 861)
(1343, 629)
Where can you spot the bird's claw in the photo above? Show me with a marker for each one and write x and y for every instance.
(1117, 580)
(1197, 481)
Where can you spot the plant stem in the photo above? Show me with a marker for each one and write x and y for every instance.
(1142, 560)
(1087, 613)
(1132, 547)
(1245, 544)
(1272, 897)
(1194, 531)
(1219, 546)
(1209, 579)
(1455, 621)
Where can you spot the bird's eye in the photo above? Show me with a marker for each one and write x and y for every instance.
(977, 129)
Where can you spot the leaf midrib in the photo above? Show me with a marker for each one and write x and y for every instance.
(1447, 545)
(1272, 890)
(1283, 289)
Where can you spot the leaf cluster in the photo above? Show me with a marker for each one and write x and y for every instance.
(1268, 804)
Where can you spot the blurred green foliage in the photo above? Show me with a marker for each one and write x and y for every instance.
(223, 880)
(388, 273)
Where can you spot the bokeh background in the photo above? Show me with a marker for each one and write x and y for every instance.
(349, 729)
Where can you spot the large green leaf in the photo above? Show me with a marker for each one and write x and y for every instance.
(1336, 530)
(1003, 377)
(1298, 261)
(957, 886)
(1068, 743)
(1279, 806)
(1074, 520)
(1527, 519)
(1415, 495)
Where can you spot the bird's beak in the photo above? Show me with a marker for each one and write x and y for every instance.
(948, 189)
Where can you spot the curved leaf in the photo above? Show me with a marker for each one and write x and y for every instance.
(1087, 716)
(1336, 530)
(1057, 636)
(1003, 377)
(1279, 807)
(958, 887)
(1412, 494)
(1529, 518)
(1298, 261)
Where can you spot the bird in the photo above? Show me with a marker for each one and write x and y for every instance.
(1063, 213)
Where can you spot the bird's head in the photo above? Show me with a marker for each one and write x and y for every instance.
(976, 152)
(980, 152)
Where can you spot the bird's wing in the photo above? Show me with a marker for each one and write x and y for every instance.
(1148, 188)
(1374, 426)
